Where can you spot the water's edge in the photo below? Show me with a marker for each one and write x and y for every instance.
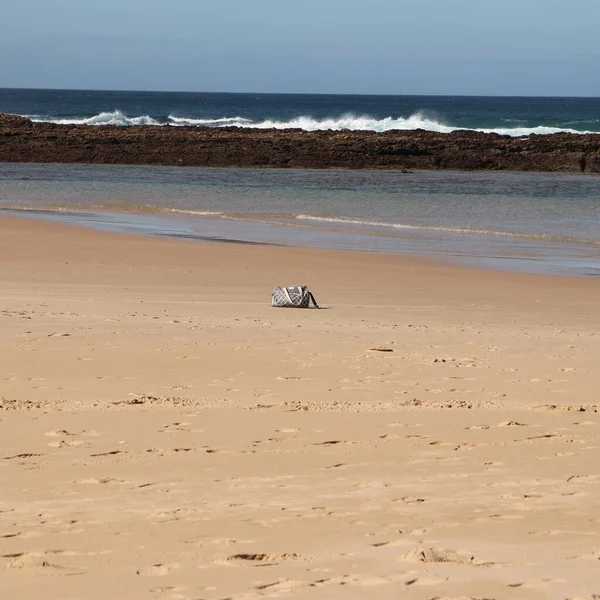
(257, 234)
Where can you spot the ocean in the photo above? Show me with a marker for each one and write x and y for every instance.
(530, 222)
(504, 115)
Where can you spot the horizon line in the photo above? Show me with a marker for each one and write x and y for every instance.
(61, 89)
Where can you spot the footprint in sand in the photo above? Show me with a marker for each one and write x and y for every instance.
(583, 478)
(567, 407)
(337, 466)
(535, 583)
(157, 570)
(171, 427)
(511, 496)
(42, 560)
(104, 481)
(260, 559)
(376, 581)
(67, 444)
(175, 591)
(436, 555)
(341, 580)
(22, 456)
(591, 556)
(388, 544)
(282, 584)
(425, 581)
(110, 453)
(59, 433)
(409, 500)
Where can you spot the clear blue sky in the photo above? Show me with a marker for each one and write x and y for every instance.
(506, 47)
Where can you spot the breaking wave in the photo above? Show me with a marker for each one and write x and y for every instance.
(418, 120)
(347, 122)
(115, 117)
(222, 122)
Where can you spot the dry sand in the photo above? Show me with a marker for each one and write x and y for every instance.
(165, 434)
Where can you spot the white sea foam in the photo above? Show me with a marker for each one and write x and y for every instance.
(348, 221)
(364, 223)
(222, 122)
(197, 213)
(417, 121)
(350, 122)
(115, 117)
(525, 131)
(347, 122)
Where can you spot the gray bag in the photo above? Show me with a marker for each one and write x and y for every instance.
(295, 296)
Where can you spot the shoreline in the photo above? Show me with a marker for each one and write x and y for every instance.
(22, 140)
(243, 232)
(370, 265)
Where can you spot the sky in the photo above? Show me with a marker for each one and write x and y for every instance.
(464, 47)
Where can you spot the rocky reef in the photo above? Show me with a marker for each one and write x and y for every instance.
(22, 140)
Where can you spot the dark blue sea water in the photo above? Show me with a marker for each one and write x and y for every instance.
(505, 115)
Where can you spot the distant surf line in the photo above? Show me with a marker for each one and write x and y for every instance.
(345, 122)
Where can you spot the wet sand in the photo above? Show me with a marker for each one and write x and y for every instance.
(165, 433)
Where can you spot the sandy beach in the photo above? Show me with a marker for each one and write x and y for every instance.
(165, 433)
